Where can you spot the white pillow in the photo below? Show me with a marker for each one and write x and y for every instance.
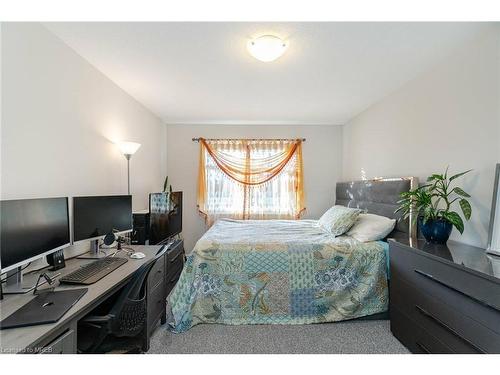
(370, 227)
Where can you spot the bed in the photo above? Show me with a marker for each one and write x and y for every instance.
(289, 271)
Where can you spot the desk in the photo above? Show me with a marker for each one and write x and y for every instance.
(33, 339)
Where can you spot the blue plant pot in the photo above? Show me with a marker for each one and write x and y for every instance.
(435, 231)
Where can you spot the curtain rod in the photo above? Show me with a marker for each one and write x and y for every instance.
(250, 139)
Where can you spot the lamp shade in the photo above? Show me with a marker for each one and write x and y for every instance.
(128, 148)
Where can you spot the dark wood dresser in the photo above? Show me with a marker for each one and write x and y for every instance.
(444, 298)
(161, 280)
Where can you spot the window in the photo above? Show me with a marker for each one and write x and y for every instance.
(250, 179)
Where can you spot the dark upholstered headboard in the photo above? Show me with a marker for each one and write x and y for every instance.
(380, 197)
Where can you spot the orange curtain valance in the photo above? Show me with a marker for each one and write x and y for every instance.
(252, 171)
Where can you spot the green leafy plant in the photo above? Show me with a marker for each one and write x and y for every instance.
(167, 189)
(165, 185)
(434, 200)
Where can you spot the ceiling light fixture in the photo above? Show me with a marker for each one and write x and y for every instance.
(267, 47)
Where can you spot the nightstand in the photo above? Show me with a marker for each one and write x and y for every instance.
(444, 298)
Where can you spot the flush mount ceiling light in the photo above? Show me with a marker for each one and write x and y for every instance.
(267, 47)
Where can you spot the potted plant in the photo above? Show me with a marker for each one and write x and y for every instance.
(167, 190)
(432, 206)
(166, 187)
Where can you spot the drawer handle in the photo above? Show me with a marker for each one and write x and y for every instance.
(176, 256)
(448, 328)
(430, 277)
(423, 347)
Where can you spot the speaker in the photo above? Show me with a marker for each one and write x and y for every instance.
(140, 232)
(109, 239)
(56, 260)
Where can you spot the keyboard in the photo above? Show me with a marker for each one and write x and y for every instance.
(92, 272)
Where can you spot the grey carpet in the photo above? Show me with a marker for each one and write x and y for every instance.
(329, 338)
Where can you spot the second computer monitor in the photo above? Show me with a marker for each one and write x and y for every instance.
(94, 217)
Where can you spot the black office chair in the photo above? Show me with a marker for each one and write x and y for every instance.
(126, 317)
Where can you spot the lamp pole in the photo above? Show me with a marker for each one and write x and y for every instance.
(127, 156)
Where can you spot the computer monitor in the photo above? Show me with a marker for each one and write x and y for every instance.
(165, 216)
(31, 229)
(94, 217)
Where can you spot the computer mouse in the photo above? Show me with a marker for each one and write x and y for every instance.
(137, 255)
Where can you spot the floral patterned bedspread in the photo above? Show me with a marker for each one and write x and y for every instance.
(278, 272)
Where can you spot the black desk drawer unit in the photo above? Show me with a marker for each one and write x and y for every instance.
(174, 265)
(156, 298)
(161, 280)
(438, 305)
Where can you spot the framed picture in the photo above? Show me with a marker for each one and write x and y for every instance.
(494, 232)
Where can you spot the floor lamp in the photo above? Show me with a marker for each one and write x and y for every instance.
(128, 149)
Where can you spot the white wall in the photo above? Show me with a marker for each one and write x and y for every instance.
(322, 154)
(449, 115)
(60, 117)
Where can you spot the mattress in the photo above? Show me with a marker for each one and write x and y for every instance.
(278, 272)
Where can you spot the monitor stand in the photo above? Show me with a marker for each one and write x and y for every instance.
(17, 283)
(95, 251)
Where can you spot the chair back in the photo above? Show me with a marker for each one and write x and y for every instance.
(129, 309)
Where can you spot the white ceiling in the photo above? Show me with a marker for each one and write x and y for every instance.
(202, 73)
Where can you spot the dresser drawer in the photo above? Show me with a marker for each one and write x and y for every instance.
(176, 252)
(471, 295)
(174, 267)
(64, 344)
(156, 274)
(459, 332)
(415, 337)
(156, 304)
(173, 280)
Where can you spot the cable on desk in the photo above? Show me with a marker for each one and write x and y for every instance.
(47, 266)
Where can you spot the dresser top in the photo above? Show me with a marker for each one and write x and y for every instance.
(469, 257)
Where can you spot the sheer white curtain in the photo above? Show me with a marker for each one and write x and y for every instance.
(281, 197)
